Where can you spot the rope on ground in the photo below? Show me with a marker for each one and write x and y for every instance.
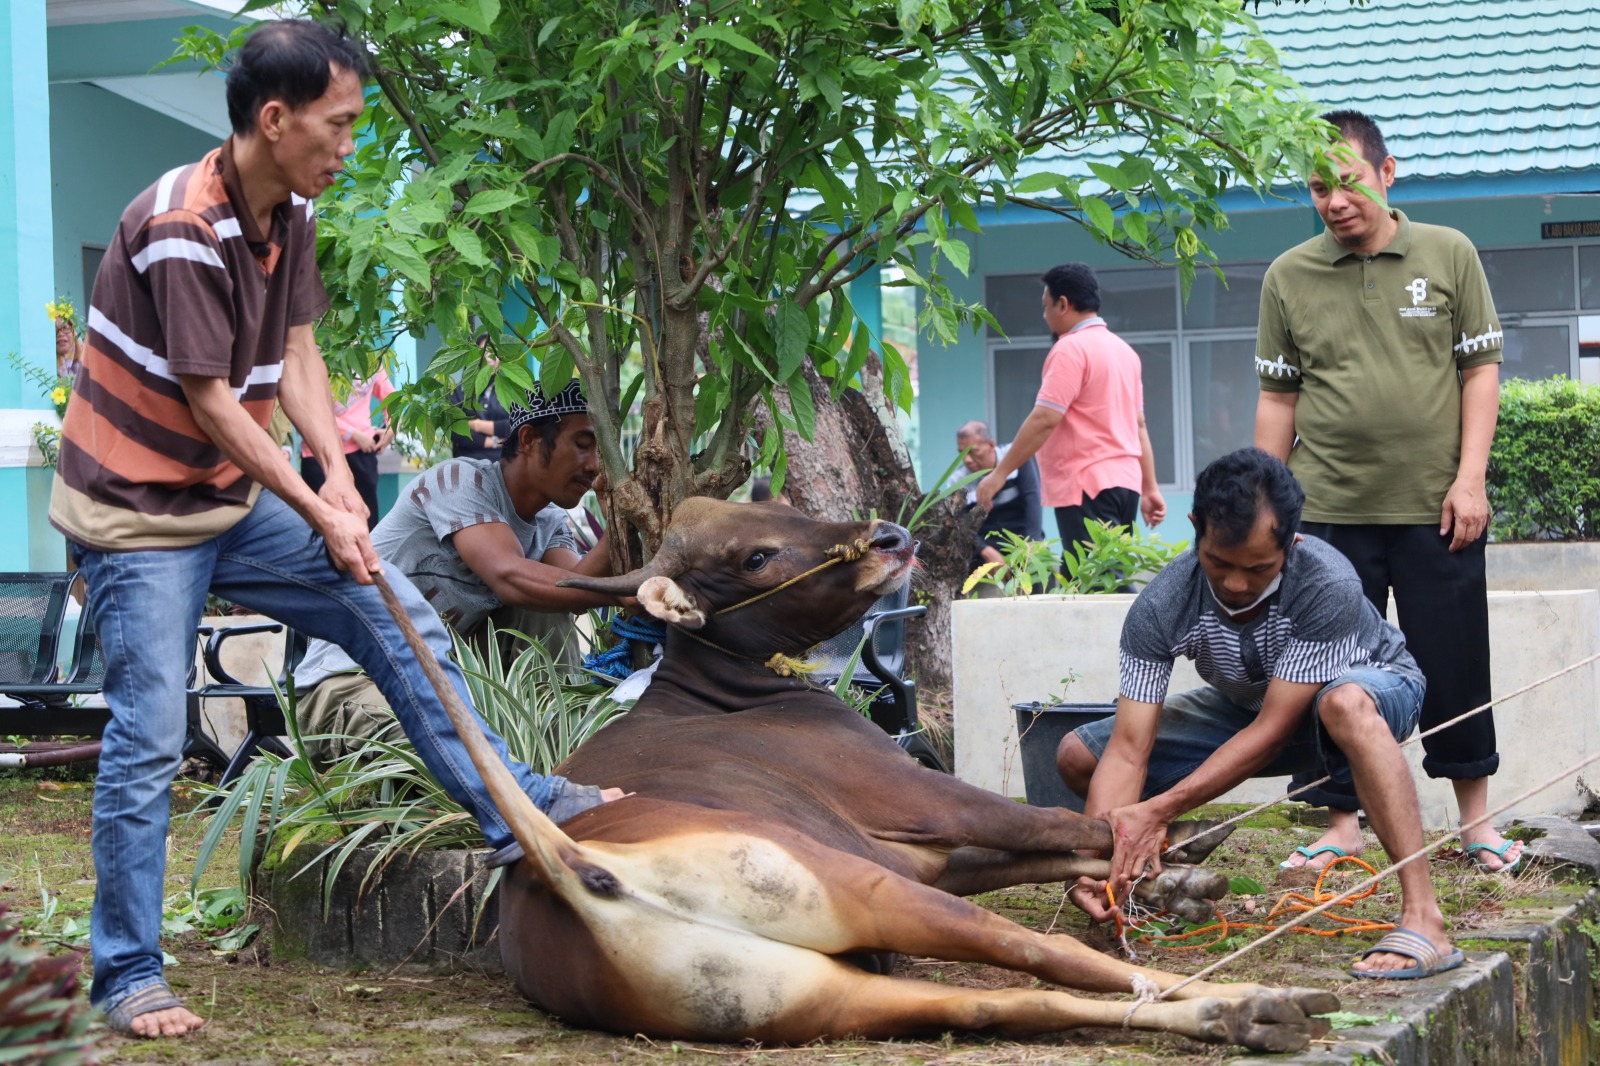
(1253, 811)
(1372, 881)
(1290, 903)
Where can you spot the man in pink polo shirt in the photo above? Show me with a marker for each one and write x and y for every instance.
(1087, 425)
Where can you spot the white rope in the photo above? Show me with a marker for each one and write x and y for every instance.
(1145, 991)
(1253, 811)
(1375, 878)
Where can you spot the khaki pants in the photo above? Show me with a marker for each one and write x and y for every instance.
(351, 706)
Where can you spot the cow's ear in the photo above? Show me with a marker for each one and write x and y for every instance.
(665, 599)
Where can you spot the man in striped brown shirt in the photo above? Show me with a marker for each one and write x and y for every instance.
(168, 484)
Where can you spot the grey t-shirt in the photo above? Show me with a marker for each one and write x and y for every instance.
(417, 537)
(1316, 626)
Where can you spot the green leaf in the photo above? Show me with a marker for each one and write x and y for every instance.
(466, 242)
(727, 35)
(492, 202)
(558, 137)
(1137, 227)
(802, 405)
(1099, 213)
(400, 254)
(1112, 176)
(1245, 886)
(547, 29)
(1042, 182)
(958, 253)
(794, 334)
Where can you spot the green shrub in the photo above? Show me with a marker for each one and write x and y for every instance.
(1114, 557)
(1544, 468)
(44, 1019)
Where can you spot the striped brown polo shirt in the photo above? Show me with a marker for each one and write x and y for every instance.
(188, 286)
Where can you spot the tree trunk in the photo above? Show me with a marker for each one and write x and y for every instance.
(856, 466)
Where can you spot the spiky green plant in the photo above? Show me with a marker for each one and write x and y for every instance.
(44, 1021)
(380, 795)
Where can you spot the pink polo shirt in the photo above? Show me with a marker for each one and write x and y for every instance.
(1093, 377)
(356, 411)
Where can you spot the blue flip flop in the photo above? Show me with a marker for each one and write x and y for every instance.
(1499, 853)
(1412, 945)
(1311, 853)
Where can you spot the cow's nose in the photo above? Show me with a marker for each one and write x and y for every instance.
(889, 537)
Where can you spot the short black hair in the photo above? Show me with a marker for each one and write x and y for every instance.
(1359, 129)
(549, 430)
(1075, 281)
(290, 60)
(1230, 494)
(761, 490)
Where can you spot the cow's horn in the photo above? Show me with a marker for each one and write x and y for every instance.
(665, 564)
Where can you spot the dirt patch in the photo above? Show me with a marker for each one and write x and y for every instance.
(262, 1011)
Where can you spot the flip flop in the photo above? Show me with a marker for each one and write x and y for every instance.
(1412, 945)
(1311, 853)
(119, 1018)
(1499, 853)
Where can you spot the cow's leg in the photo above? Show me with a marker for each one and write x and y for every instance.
(884, 1007)
(1187, 891)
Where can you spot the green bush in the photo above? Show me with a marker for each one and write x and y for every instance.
(1544, 468)
(1116, 556)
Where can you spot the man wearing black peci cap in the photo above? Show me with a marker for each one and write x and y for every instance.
(474, 536)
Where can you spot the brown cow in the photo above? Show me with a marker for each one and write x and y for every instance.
(776, 844)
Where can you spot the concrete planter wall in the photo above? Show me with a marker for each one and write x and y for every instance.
(1011, 651)
(1544, 566)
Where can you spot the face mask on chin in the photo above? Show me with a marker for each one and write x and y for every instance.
(1235, 612)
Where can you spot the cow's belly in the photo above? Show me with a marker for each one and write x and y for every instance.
(718, 935)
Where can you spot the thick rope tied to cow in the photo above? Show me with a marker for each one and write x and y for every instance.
(1253, 811)
(617, 660)
(1371, 882)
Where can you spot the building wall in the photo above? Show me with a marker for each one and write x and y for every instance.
(104, 151)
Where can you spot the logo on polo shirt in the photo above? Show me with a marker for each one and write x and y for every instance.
(1419, 292)
(1278, 368)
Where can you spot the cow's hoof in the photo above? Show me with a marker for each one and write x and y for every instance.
(1186, 891)
(1268, 1021)
(1188, 842)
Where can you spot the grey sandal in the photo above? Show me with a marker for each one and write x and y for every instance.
(119, 1019)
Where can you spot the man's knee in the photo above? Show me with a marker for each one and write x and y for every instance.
(1349, 711)
(1076, 763)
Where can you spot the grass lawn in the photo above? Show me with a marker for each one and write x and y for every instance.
(269, 1011)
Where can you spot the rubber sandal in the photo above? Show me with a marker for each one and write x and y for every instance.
(1311, 853)
(1412, 945)
(1499, 853)
(119, 1019)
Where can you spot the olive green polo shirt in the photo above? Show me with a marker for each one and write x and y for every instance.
(1374, 346)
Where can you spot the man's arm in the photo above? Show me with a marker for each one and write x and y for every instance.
(1151, 502)
(1036, 429)
(493, 552)
(1138, 831)
(1275, 422)
(1118, 782)
(1466, 505)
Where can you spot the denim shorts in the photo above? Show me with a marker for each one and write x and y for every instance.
(1195, 724)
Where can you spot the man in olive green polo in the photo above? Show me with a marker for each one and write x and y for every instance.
(1378, 356)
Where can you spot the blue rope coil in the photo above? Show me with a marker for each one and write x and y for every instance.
(617, 661)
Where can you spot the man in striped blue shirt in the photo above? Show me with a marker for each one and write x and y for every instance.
(1304, 677)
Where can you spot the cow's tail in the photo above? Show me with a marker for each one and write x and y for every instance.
(556, 858)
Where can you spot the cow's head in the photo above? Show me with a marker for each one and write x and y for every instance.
(722, 569)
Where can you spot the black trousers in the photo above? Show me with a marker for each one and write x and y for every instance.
(1441, 599)
(1114, 507)
(363, 468)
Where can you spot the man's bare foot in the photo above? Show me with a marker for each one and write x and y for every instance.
(174, 1021)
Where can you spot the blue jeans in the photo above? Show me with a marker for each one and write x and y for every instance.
(146, 606)
(1195, 724)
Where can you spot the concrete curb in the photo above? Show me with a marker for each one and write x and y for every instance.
(1525, 994)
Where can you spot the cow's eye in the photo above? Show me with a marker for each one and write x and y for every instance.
(756, 561)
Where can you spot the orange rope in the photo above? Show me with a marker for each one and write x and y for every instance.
(1289, 903)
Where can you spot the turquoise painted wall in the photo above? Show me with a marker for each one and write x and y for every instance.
(90, 125)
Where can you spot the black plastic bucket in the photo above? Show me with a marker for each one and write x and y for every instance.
(1041, 728)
